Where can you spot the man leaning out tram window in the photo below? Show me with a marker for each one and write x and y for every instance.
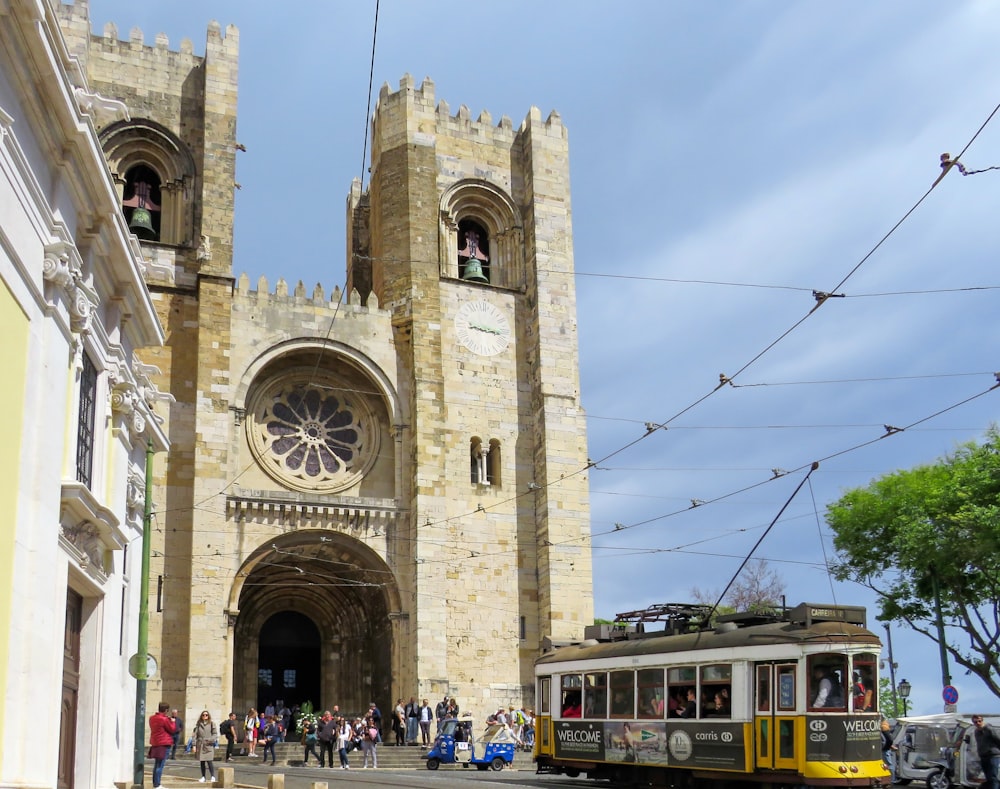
(829, 691)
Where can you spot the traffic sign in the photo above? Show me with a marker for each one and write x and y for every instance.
(949, 694)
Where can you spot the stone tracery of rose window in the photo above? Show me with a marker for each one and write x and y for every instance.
(311, 435)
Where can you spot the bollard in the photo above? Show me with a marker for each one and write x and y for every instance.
(276, 781)
(319, 785)
(225, 777)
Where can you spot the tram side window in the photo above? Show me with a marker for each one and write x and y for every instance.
(828, 679)
(543, 695)
(651, 696)
(864, 697)
(571, 687)
(595, 695)
(716, 689)
(622, 694)
(682, 695)
(763, 688)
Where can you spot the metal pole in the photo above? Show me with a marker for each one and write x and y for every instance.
(139, 747)
(892, 672)
(942, 644)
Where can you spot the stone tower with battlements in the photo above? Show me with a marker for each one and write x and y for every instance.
(374, 493)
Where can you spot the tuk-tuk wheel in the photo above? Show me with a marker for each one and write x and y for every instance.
(497, 764)
(465, 765)
(432, 764)
(938, 780)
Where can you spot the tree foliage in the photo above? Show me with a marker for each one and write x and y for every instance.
(932, 532)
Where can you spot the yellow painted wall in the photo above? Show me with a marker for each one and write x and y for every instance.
(13, 363)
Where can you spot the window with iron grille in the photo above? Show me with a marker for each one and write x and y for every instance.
(85, 424)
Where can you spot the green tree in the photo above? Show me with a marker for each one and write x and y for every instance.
(889, 703)
(926, 541)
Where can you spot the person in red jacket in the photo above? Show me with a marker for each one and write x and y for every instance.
(161, 738)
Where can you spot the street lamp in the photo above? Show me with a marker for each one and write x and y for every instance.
(904, 693)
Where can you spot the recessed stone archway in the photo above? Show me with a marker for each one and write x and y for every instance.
(305, 583)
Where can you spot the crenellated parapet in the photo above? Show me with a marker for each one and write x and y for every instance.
(300, 296)
(420, 101)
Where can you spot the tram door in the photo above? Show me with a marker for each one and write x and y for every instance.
(774, 716)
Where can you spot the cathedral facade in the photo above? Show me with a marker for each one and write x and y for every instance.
(373, 491)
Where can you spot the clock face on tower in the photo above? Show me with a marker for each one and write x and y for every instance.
(482, 328)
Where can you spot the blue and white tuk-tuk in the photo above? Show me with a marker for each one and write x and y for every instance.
(493, 749)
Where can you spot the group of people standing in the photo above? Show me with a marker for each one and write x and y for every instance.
(335, 731)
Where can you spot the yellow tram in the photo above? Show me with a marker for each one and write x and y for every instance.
(788, 698)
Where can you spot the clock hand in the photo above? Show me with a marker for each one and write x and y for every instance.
(487, 329)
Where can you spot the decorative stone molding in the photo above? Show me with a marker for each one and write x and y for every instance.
(102, 110)
(204, 249)
(135, 496)
(133, 396)
(86, 538)
(60, 266)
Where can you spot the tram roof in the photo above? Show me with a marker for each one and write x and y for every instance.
(756, 635)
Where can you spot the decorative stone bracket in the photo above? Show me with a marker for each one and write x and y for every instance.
(133, 395)
(61, 267)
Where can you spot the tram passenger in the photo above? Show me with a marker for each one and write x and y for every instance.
(690, 708)
(721, 706)
(828, 691)
(571, 706)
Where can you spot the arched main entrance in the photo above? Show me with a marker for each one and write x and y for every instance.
(313, 624)
(288, 661)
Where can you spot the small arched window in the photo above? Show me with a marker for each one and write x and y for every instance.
(493, 464)
(484, 462)
(477, 461)
(141, 202)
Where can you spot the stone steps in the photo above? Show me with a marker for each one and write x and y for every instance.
(392, 757)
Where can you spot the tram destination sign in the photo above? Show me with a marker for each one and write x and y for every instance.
(848, 739)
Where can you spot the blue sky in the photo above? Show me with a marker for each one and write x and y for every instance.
(727, 160)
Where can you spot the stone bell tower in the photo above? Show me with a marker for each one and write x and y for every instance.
(370, 493)
(173, 161)
(465, 235)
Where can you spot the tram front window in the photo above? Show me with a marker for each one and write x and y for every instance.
(864, 686)
(828, 681)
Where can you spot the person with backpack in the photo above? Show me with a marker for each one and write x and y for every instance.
(228, 730)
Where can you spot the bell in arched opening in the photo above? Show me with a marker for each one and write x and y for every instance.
(141, 198)
(475, 257)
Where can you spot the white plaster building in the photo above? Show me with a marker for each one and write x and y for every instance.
(73, 310)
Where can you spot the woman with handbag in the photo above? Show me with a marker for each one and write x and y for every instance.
(309, 741)
(205, 737)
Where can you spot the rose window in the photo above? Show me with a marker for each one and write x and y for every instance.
(311, 436)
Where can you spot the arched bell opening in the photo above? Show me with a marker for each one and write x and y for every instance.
(328, 596)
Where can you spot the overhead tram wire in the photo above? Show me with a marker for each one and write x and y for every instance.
(724, 379)
(888, 431)
(821, 299)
